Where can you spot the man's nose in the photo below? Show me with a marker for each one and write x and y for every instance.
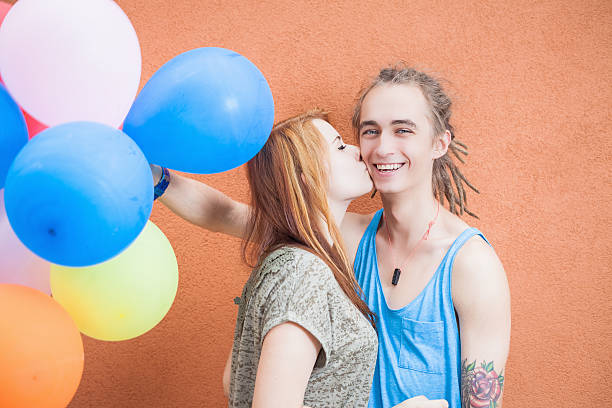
(384, 146)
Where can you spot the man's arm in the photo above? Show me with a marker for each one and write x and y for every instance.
(482, 300)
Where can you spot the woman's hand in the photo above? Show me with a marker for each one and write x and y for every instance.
(422, 402)
(156, 172)
(419, 402)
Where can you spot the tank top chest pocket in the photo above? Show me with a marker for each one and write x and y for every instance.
(422, 346)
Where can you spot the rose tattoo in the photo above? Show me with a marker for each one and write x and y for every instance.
(481, 386)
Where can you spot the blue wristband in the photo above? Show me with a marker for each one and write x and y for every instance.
(162, 185)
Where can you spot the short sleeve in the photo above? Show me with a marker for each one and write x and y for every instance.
(300, 295)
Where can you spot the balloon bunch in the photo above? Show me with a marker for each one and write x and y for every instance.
(76, 192)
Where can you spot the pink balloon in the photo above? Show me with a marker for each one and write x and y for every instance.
(4, 9)
(17, 263)
(70, 60)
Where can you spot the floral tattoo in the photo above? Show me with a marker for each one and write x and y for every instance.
(481, 386)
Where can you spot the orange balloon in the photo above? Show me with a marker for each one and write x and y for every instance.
(41, 351)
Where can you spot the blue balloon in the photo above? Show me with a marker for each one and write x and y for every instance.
(205, 111)
(79, 193)
(13, 132)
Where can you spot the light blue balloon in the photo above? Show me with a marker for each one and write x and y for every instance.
(79, 193)
(13, 132)
(205, 111)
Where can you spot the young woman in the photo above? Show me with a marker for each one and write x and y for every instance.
(303, 335)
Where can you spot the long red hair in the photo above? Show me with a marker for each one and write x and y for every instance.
(288, 182)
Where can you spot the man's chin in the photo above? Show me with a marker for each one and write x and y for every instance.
(388, 189)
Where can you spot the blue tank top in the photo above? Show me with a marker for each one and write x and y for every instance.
(419, 351)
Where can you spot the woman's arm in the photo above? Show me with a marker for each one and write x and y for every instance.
(203, 205)
(288, 355)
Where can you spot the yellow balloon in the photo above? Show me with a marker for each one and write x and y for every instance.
(125, 296)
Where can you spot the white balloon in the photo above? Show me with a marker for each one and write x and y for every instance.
(70, 60)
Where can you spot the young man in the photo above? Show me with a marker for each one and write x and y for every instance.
(437, 287)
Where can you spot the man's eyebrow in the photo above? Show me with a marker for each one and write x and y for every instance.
(406, 122)
(368, 123)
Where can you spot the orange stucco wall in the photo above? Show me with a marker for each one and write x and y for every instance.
(531, 84)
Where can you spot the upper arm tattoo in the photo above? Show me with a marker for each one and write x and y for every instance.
(481, 387)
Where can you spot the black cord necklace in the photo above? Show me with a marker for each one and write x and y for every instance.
(397, 271)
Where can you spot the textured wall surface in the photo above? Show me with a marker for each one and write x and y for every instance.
(531, 82)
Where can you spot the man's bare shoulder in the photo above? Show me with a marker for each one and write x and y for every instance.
(477, 268)
(476, 256)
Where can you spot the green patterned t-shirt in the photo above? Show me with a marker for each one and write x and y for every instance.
(294, 285)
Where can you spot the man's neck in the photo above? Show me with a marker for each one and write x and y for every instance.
(408, 213)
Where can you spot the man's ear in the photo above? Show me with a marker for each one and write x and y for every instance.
(441, 144)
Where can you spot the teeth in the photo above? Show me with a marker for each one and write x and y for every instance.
(394, 166)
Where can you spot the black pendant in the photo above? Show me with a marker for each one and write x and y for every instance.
(396, 276)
